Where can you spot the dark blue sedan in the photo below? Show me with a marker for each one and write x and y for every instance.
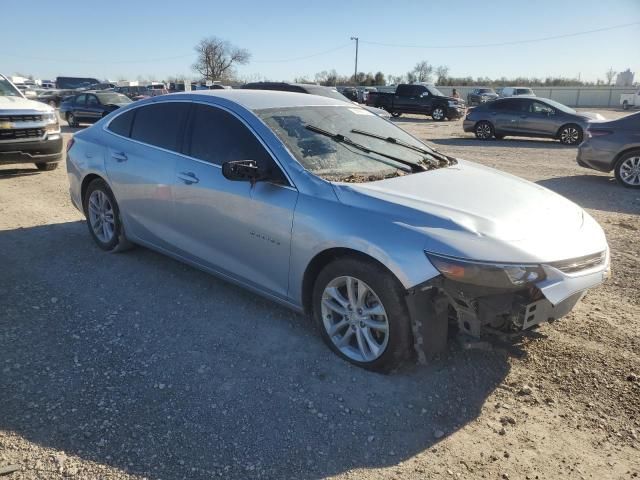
(89, 107)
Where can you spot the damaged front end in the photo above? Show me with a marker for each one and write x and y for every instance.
(508, 297)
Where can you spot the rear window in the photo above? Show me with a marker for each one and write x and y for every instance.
(161, 124)
(121, 125)
(524, 91)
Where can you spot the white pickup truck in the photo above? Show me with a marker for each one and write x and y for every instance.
(628, 100)
(29, 130)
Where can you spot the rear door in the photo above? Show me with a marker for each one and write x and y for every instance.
(79, 108)
(505, 114)
(405, 99)
(140, 162)
(238, 229)
(94, 108)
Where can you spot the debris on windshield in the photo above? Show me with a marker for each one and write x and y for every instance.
(360, 178)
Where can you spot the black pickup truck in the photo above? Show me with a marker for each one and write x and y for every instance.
(418, 98)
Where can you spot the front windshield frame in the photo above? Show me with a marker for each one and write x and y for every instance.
(103, 98)
(336, 161)
(434, 91)
(7, 89)
(559, 106)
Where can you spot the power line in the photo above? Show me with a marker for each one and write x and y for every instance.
(305, 56)
(501, 44)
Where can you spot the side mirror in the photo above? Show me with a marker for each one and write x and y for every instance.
(241, 171)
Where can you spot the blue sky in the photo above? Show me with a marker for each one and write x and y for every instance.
(155, 38)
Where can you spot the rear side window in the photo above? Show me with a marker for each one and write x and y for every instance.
(217, 136)
(121, 125)
(161, 124)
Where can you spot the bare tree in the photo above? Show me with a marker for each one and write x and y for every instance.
(610, 74)
(422, 71)
(216, 58)
(442, 73)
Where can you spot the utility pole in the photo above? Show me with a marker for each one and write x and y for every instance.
(355, 73)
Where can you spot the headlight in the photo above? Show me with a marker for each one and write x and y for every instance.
(496, 275)
(50, 117)
(453, 103)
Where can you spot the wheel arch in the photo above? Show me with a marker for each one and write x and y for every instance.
(322, 259)
(557, 136)
(85, 184)
(617, 158)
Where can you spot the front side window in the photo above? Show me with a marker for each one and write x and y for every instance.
(80, 100)
(335, 160)
(539, 107)
(92, 101)
(160, 124)
(216, 136)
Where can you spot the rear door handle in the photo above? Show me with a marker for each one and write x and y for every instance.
(188, 177)
(119, 156)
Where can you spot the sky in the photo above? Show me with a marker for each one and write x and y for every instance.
(287, 39)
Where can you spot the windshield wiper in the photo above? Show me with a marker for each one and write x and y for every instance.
(397, 141)
(336, 137)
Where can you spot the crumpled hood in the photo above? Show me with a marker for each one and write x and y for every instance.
(472, 211)
(19, 104)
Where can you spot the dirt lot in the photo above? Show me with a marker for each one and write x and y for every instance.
(134, 365)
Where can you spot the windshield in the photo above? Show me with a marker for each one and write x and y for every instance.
(109, 98)
(328, 92)
(559, 106)
(485, 90)
(7, 90)
(435, 92)
(336, 161)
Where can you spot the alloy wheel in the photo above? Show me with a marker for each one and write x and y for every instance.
(630, 171)
(569, 135)
(483, 131)
(355, 319)
(438, 114)
(101, 216)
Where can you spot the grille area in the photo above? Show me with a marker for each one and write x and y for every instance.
(22, 133)
(581, 263)
(21, 118)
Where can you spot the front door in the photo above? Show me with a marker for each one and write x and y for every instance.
(538, 119)
(238, 229)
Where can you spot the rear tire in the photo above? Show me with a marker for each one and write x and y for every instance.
(570, 134)
(103, 217)
(625, 105)
(627, 169)
(72, 120)
(383, 295)
(484, 130)
(47, 167)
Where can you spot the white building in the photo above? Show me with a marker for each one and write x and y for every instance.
(624, 79)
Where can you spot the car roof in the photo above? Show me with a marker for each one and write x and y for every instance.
(262, 99)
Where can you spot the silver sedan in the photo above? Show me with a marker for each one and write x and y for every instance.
(333, 211)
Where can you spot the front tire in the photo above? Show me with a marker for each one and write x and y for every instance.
(47, 167)
(627, 169)
(570, 135)
(484, 130)
(103, 217)
(360, 310)
(625, 105)
(438, 114)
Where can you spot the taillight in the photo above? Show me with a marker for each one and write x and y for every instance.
(595, 132)
(70, 144)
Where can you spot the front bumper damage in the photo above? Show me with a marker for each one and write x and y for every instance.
(440, 303)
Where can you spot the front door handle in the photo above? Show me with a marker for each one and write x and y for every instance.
(188, 177)
(119, 156)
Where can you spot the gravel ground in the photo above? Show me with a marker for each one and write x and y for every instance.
(135, 366)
